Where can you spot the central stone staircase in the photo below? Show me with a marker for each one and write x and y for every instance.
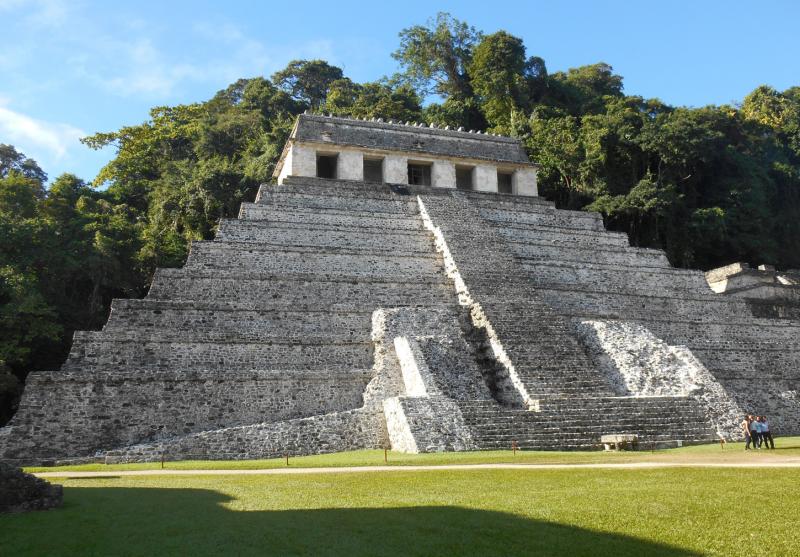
(577, 423)
(575, 403)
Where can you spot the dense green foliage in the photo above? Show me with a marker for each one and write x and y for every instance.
(64, 253)
(710, 185)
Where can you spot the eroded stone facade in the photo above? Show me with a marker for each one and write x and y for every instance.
(397, 145)
(21, 492)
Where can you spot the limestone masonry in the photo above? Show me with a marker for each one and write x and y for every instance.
(21, 492)
(403, 286)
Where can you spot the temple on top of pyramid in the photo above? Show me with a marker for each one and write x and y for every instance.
(397, 153)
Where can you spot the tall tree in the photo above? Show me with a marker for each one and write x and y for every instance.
(583, 90)
(435, 57)
(307, 81)
(27, 321)
(12, 160)
(373, 100)
(498, 71)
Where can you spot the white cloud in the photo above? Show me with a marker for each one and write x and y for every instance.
(137, 67)
(142, 69)
(37, 137)
(134, 57)
(40, 13)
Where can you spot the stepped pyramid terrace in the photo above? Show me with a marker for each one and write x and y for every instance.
(403, 286)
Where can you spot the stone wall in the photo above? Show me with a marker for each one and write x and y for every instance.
(763, 283)
(425, 351)
(640, 364)
(427, 425)
(327, 433)
(443, 361)
(21, 492)
(79, 414)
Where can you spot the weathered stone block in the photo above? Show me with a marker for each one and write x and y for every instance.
(21, 492)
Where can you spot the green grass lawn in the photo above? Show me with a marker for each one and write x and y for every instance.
(786, 447)
(675, 511)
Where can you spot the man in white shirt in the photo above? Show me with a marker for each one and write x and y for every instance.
(754, 435)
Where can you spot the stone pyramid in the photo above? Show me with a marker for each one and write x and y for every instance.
(442, 306)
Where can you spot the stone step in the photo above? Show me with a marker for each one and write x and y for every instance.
(588, 414)
(539, 361)
(489, 200)
(521, 430)
(332, 188)
(346, 187)
(284, 290)
(563, 426)
(654, 405)
(564, 404)
(753, 344)
(752, 394)
(490, 207)
(399, 206)
(537, 387)
(331, 242)
(324, 236)
(354, 194)
(567, 423)
(225, 324)
(662, 420)
(230, 257)
(755, 332)
(667, 281)
(536, 253)
(253, 212)
(547, 217)
(579, 442)
(759, 361)
(646, 441)
(556, 236)
(585, 418)
(531, 432)
(601, 301)
(92, 351)
(665, 418)
(542, 355)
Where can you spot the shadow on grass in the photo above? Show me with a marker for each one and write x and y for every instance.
(146, 521)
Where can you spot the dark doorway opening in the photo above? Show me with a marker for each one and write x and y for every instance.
(326, 166)
(464, 177)
(419, 174)
(373, 170)
(504, 182)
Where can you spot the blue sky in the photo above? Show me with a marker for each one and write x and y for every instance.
(69, 68)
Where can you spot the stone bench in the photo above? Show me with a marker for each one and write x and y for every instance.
(619, 441)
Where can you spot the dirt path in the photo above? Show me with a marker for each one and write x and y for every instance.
(773, 463)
